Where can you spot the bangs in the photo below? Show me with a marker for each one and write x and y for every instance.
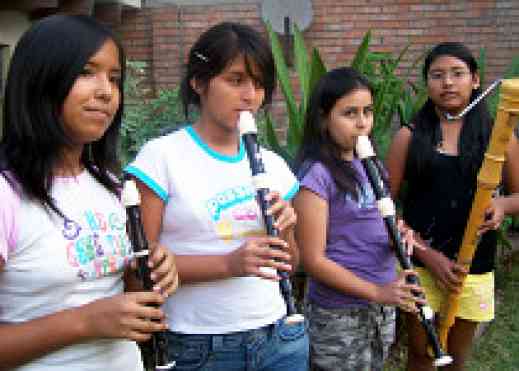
(254, 70)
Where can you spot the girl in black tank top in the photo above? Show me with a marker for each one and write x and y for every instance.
(438, 209)
(440, 160)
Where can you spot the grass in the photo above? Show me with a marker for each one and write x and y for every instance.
(498, 347)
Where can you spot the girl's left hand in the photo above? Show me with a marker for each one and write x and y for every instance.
(284, 214)
(164, 270)
(494, 216)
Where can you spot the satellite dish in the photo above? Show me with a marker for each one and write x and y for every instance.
(281, 12)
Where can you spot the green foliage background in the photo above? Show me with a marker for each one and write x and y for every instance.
(397, 98)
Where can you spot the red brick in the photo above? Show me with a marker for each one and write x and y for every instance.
(167, 33)
(76, 7)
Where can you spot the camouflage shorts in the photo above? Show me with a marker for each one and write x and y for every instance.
(353, 339)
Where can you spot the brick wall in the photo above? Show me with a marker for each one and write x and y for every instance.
(163, 35)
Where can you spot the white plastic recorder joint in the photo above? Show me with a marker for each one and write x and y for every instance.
(364, 148)
(140, 254)
(261, 181)
(428, 313)
(386, 206)
(130, 195)
(246, 123)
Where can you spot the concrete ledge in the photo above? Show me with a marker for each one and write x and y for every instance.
(159, 3)
(128, 3)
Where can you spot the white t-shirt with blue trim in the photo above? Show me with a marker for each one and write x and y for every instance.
(210, 209)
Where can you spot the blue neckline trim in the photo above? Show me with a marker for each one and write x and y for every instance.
(211, 152)
(292, 192)
(150, 183)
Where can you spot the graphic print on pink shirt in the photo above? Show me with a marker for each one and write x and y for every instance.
(100, 247)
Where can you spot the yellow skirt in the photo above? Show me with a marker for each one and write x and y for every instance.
(477, 297)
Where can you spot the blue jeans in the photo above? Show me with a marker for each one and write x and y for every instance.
(276, 347)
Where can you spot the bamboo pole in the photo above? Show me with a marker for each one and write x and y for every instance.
(489, 177)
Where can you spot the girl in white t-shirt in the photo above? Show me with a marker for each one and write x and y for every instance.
(63, 245)
(199, 201)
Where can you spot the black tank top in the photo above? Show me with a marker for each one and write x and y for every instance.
(439, 207)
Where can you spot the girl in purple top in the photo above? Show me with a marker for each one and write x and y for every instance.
(344, 244)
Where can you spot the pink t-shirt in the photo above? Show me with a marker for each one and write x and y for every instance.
(52, 264)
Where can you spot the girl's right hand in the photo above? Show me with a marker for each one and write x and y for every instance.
(132, 316)
(448, 273)
(410, 239)
(400, 293)
(257, 253)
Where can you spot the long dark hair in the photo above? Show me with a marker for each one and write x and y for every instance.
(219, 46)
(475, 132)
(47, 60)
(317, 143)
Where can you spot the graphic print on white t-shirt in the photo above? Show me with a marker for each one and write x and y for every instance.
(100, 247)
(235, 213)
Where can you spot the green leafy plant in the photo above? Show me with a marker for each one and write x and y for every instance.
(309, 70)
(393, 94)
(511, 72)
(144, 117)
